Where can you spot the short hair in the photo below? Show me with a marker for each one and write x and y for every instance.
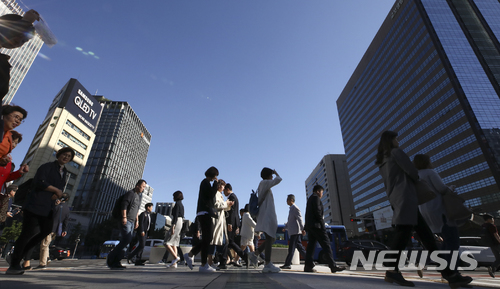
(487, 217)
(212, 172)
(12, 188)
(139, 182)
(291, 198)
(318, 188)
(266, 173)
(221, 182)
(66, 150)
(16, 135)
(228, 186)
(422, 162)
(245, 209)
(178, 196)
(8, 109)
(148, 205)
(65, 196)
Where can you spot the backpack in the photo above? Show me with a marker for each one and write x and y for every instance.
(116, 213)
(253, 204)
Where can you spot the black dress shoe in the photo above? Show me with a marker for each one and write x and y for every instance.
(286, 267)
(397, 277)
(311, 270)
(336, 269)
(222, 267)
(236, 264)
(457, 280)
(139, 264)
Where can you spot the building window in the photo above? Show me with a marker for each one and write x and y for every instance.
(62, 144)
(73, 139)
(79, 131)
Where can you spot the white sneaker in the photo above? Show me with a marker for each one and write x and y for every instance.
(207, 269)
(189, 260)
(270, 268)
(172, 266)
(214, 267)
(175, 261)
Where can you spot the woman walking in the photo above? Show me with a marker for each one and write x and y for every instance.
(175, 231)
(400, 177)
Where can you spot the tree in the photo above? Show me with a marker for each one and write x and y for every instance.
(11, 233)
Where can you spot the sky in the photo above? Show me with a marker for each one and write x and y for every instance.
(239, 85)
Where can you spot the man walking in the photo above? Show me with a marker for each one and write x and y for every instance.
(315, 227)
(295, 228)
(493, 241)
(142, 234)
(129, 221)
(60, 223)
(233, 224)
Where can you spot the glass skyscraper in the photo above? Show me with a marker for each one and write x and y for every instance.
(432, 74)
(20, 58)
(116, 162)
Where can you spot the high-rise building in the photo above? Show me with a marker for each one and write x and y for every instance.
(432, 74)
(146, 197)
(70, 122)
(164, 209)
(116, 162)
(331, 174)
(20, 58)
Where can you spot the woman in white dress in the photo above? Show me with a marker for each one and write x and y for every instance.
(175, 231)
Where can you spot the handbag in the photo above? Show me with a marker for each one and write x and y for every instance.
(424, 193)
(454, 206)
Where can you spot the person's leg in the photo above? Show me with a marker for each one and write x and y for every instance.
(136, 250)
(269, 248)
(292, 244)
(44, 250)
(300, 247)
(324, 242)
(140, 249)
(29, 230)
(115, 256)
(311, 245)
(207, 231)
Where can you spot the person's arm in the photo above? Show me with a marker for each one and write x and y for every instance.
(141, 224)
(298, 216)
(265, 186)
(317, 210)
(497, 237)
(405, 163)
(124, 207)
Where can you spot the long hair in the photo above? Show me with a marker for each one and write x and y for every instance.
(385, 145)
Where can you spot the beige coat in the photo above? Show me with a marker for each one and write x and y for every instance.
(220, 228)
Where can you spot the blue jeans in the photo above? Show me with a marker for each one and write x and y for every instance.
(115, 256)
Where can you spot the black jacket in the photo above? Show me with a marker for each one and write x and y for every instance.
(144, 223)
(177, 212)
(233, 215)
(206, 196)
(314, 214)
(39, 201)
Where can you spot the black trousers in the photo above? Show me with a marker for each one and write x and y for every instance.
(266, 247)
(138, 251)
(231, 244)
(320, 236)
(35, 229)
(207, 232)
(295, 242)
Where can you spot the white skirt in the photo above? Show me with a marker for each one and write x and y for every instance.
(175, 239)
(246, 242)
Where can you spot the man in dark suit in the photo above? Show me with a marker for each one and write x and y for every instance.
(233, 223)
(142, 234)
(315, 227)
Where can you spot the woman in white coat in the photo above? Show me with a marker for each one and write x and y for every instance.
(267, 221)
(219, 240)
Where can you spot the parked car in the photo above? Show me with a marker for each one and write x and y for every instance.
(347, 249)
(150, 243)
(106, 247)
(55, 252)
(481, 253)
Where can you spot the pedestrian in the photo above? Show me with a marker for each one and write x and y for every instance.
(48, 183)
(12, 117)
(316, 232)
(60, 221)
(129, 221)
(142, 235)
(7, 173)
(205, 212)
(267, 221)
(247, 231)
(434, 212)
(175, 231)
(219, 240)
(6, 210)
(233, 225)
(493, 241)
(295, 227)
(15, 30)
(400, 177)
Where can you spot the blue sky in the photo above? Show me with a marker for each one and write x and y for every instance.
(239, 85)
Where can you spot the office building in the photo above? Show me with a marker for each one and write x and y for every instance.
(20, 58)
(115, 164)
(432, 74)
(146, 197)
(164, 209)
(331, 174)
(70, 122)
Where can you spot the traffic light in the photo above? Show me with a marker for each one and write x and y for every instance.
(355, 220)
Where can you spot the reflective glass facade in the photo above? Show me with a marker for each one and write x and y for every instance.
(432, 75)
(116, 162)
